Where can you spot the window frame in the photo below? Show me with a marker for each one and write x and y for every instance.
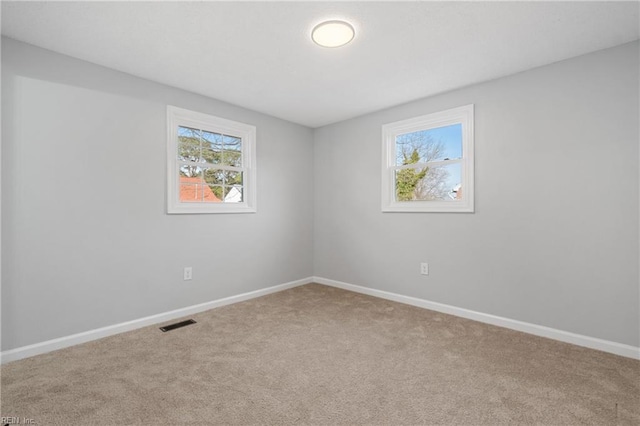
(177, 117)
(464, 116)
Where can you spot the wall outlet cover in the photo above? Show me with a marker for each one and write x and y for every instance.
(188, 273)
(424, 268)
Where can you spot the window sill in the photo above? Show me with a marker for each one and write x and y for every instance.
(429, 207)
(209, 209)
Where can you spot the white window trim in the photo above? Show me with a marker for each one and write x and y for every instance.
(186, 118)
(461, 115)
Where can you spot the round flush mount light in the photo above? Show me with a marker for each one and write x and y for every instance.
(332, 33)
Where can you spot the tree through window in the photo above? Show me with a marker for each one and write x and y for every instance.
(211, 165)
(428, 163)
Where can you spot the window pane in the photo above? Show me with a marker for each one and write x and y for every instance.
(190, 193)
(217, 191)
(232, 143)
(233, 194)
(214, 176)
(233, 178)
(209, 196)
(188, 144)
(225, 185)
(193, 189)
(211, 147)
(191, 171)
(232, 155)
(232, 158)
(442, 183)
(437, 144)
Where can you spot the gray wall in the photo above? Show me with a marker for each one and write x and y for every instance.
(554, 239)
(86, 241)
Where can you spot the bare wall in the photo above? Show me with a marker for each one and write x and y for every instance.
(554, 239)
(86, 241)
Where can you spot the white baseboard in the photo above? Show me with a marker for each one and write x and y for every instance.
(538, 330)
(87, 336)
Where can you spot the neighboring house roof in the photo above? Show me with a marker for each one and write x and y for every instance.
(193, 189)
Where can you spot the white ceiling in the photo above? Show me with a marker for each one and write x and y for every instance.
(260, 55)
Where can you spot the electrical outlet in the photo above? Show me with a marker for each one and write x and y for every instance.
(188, 273)
(424, 268)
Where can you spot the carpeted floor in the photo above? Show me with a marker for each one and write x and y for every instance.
(320, 355)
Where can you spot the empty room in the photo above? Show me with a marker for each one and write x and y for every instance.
(320, 213)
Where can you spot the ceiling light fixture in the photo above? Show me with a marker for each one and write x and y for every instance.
(332, 33)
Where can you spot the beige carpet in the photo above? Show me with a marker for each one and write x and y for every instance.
(320, 355)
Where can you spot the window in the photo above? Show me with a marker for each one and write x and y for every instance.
(211, 164)
(428, 163)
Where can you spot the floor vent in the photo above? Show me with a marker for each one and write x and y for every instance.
(177, 325)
